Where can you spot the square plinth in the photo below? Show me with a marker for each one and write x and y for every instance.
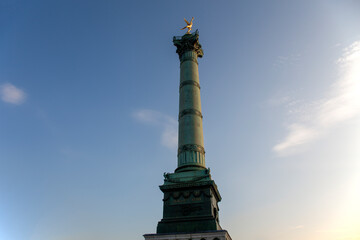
(208, 235)
(190, 203)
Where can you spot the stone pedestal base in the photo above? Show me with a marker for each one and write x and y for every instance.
(208, 235)
(190, 203)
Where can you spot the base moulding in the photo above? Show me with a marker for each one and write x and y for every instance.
(208, 235)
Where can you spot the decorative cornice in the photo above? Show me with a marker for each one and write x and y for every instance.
(182, 181)
(186, 194)
(189, 82)
(188, 42)
(190, 111)
(186, 185)
(211, 183)
(191, 147)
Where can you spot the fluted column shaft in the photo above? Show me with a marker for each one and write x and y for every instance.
(191, 153)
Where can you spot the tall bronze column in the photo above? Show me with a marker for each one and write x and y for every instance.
(190, 195)
(191, 153)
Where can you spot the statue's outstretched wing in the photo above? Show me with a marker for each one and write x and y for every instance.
(187, 22)
(191, 20)
(183, 28)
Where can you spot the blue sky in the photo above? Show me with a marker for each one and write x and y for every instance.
(89, 102)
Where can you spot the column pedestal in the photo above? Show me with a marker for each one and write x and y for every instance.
(190, 203)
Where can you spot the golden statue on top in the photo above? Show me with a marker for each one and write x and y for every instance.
(188, 26)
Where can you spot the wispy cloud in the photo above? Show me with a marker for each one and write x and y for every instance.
(168, 125)
(298, 227)
(342, 103)
(285, 61)
(11, 94)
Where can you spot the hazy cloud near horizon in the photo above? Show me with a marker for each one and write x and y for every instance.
(316, 118)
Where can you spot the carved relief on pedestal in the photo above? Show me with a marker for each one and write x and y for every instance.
(185, 197)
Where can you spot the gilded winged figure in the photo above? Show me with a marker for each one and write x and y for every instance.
(188, 26)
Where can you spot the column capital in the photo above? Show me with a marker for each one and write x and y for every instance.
(188, 42)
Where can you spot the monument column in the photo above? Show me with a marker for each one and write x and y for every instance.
(191, 197)
(191, 153)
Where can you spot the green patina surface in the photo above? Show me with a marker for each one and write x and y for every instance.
(190, 195)
(191, 153)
